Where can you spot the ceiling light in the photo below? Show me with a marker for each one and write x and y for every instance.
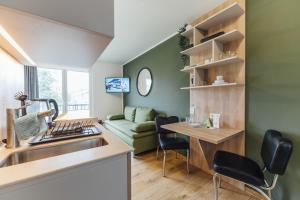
(14, 44)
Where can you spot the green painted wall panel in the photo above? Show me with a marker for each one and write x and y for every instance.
(165, 64)
(273, 81)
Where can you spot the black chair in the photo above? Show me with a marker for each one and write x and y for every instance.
(275, 152)
(168, 139)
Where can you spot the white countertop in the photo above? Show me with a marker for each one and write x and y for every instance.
(29, 170)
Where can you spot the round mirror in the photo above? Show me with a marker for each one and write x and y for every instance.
(144, 81)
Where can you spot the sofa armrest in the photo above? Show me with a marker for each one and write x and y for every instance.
(115, 117)
(143, 127)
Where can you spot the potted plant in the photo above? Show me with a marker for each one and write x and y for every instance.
(184, 43)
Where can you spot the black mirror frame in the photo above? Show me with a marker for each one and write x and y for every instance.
(137, 80)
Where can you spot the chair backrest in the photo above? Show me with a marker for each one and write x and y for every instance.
(159, 121)
(276, 152)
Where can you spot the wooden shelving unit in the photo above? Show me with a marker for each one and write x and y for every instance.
(205, 57)
(221, 56)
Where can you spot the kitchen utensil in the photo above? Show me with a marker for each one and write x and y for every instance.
(20, 96)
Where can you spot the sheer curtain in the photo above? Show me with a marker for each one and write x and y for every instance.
(31, 85)
(11, 82)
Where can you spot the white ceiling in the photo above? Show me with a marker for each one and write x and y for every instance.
(49, 43)
(140, 24)
(94, 15)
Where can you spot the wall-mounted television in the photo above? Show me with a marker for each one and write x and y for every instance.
(117, 84)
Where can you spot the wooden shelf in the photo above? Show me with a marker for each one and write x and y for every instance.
(227, 37)
(198, 48)
(222, 62)
(231, 36)
(187, 69)
(189, 33)
(211, 86)
(228, 13)
(226, 61)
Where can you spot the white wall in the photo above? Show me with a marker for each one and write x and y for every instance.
(11, 81)
(102, 103)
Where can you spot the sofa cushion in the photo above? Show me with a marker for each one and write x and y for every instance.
(144, 114)
(115, 117)
(125, 127)
(144, 126)
(129, 113)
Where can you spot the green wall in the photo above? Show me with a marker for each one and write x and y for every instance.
(273, 81)
(165, 64)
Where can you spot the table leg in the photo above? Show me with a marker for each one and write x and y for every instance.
(202, 154)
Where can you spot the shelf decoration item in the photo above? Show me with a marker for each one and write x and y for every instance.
(215, 118)
(192, 113)
(194, 118)
(207, 123)
(227, 54)
(192, 80)
(184, 44)
(219, 81)
(188, 119)
(188, 27)
(189, 46)
(207, 60)
(195, 125)
(212, 36)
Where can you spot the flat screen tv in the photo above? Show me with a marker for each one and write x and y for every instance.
(117, 85)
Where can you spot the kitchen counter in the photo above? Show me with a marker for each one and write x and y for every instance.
(31, 170)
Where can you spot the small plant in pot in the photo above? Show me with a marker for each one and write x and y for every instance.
(184, 44)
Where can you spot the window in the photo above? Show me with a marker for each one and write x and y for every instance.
(51, 85)
(78, 93)
(69, 88)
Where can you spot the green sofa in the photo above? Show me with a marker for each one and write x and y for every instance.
(135, 127)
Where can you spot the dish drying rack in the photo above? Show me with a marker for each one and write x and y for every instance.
(67, 130)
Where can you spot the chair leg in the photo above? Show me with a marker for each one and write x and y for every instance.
(269, 191)
(260, 191)
(164, 164)
(157, 152)
(188, 161)
(216, 181)
(270, 194)
(135, 156)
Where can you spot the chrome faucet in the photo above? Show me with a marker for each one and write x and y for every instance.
(12, 138)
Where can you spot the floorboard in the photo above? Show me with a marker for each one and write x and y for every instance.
(148, 183)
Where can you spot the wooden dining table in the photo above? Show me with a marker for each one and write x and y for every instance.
(204, 142)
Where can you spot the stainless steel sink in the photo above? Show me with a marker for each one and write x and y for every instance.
(41, 153)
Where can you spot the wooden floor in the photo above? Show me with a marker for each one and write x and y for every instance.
(148, 183)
